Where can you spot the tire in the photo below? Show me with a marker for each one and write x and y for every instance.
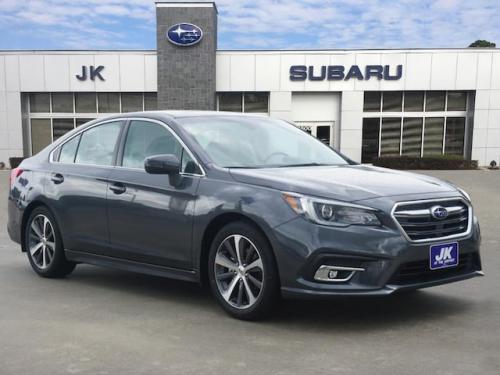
(234, 280)
(44, 245)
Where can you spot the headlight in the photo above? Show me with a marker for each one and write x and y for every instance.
(329, 212)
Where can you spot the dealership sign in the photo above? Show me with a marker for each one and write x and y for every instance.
(342, 73)
(93, 73)
(184, 34)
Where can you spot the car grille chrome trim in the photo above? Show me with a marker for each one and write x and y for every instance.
(415, 221)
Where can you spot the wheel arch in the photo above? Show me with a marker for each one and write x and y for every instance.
(211, 230)
(26, 214)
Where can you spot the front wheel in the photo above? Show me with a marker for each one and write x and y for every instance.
(242, 272)
(44, 245)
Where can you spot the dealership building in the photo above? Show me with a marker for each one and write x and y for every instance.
(365, 103)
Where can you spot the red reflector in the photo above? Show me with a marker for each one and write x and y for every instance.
(15, 173)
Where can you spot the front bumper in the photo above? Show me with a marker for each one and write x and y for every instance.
(391, 263)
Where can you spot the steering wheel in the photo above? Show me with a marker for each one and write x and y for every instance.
(275, 154)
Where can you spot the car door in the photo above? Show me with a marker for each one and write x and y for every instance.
(151, 216)
(77, 186)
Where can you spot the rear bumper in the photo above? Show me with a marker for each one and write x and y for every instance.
(14, 221)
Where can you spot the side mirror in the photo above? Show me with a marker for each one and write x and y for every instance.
(162, 164)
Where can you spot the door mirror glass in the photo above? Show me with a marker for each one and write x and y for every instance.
(162, 164)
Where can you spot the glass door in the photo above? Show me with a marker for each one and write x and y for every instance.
(322, 130)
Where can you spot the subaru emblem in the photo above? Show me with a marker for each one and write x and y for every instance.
(439, 212)
(184, 34)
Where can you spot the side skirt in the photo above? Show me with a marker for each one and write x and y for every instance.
(129, 265)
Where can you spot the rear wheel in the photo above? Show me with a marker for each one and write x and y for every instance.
(242, 272)
(44, 245)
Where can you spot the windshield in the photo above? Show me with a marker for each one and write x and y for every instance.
(257, 142)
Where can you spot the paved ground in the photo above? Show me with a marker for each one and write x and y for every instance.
(100, 321)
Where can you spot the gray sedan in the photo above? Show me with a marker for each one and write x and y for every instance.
(250, 205)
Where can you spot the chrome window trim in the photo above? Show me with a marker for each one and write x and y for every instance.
(51, 155)
(125, 119)
(437, 239)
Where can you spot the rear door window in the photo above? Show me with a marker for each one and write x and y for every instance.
(97, 145)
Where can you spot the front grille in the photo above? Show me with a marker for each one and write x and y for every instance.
(419, 225)
(420, 272)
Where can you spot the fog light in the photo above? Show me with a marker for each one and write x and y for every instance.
(332, 274)
(335, 274)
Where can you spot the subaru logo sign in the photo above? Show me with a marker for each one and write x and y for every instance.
(439, 212)
(184, 34)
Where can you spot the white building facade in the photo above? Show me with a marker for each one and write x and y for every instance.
(365, 103)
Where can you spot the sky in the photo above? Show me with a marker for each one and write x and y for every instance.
(255, 24)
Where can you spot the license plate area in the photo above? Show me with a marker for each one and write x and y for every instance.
(443, 256)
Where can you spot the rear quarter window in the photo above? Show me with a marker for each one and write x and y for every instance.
(68, 150)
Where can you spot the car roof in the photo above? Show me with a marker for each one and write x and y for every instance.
(189, 113)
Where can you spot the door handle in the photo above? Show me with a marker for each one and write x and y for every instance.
(118, 188)
(57, 178)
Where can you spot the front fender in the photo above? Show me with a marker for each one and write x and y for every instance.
(263, 206)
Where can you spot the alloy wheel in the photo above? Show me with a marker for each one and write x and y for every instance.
(239, 272)
(41, 241)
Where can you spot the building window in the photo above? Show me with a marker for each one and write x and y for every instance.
(256, 102)
(230, 102)
(414, 101)
(81, 121)
(61, 126)
(434, 133)
(371, 136)
(41, 134)
(51, 115)
(390, 136)
(457, 101)
(249, 102)
(62, 102)
(372, 101)
(132, 102)
(392, 101)
(414, 123)
(435, 101)
(109, 102)
(411, 144)
(455, 136)
(85, 102)
(150, 101)
(39, 102)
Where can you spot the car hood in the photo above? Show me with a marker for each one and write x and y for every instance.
(346, 183)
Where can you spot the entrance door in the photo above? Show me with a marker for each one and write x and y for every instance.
(323, 130)
(319, 114)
